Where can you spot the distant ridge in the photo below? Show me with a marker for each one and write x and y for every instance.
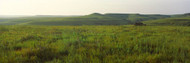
(14, 16)
(56, 15)
(91, 19)
(178, 20)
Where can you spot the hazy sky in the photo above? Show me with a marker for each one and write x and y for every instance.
(82, 7)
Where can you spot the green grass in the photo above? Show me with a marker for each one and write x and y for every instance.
(180, 21)
(94, 44)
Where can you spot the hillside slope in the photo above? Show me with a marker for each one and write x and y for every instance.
(180, 21)
(92, 19)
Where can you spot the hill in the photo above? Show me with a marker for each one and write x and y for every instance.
(180, 21)
(92, 19)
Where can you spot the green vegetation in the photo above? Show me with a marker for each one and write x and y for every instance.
(92, 19)
(95, 38)
(94, 44)
(179, 21)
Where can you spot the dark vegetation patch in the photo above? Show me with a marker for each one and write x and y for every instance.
(139, 24)
(30, 37)
(42, 54)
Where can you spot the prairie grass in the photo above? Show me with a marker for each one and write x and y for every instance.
(94, 44)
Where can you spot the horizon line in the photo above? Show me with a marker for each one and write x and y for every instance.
(83, 14)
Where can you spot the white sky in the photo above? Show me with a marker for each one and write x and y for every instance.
(82, 7)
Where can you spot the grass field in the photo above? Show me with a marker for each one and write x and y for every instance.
(176, 21)
(94, 44)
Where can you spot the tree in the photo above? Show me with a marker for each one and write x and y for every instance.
(139, 24)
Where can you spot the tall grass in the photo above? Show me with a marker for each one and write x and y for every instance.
(94, 44)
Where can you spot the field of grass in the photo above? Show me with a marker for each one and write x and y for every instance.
(176, 21)
(94, 44)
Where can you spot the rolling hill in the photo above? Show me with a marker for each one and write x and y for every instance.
(179, 21)
(92, 19)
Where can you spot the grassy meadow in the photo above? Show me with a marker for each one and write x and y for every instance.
(175, 21)
(94, 44)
